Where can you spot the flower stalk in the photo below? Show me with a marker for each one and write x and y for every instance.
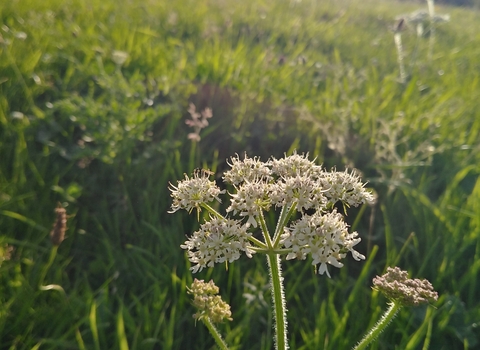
(210, 308)
(215, 334)
(384, 321)
(278, 299)
(400, 56)
(401, 291)
(57, 235)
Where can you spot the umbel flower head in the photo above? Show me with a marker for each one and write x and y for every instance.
(303, 192)
(192, 192)
(208, 303)
(324, 237)
(396, 286)
(219, 240)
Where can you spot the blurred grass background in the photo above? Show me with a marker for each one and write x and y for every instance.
(104, 137)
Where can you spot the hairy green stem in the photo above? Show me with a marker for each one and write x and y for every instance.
(215, 334)
(261, 247)
(266, 250)
(387, 317)
(278, 298)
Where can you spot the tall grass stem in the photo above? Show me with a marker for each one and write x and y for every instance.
(431, 41)
(398, 44)
(53, 254)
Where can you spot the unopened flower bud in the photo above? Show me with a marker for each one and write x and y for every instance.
(208, 303)
(396, 286)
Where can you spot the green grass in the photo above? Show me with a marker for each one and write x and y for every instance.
(320, 77)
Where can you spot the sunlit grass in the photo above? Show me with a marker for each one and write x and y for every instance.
(105, 139)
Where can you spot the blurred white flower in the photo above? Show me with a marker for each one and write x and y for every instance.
(119, 57)
(198, 122)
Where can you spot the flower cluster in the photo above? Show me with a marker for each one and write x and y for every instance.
(218, 240)
(303, 190)
(324, 236)
(396, 286)
(193, 192)
(247, 170)
(345, 187)
(208, 303)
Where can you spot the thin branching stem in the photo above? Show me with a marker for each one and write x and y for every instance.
(387, 317)
(260, 245)
(266, 233)
(285, 216)
(212, 211)
(215, 334)
(266, 250)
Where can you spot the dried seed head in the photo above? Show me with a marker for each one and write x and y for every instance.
(57, 235)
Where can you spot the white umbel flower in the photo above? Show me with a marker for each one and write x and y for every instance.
(251, 197)
(192, 192)
(301, 190)
(294, 165)
(248, 169)
(345, 187)
(324, 237)
(219, 240)
(296, 185)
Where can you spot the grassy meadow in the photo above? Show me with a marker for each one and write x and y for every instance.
(93, 102)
